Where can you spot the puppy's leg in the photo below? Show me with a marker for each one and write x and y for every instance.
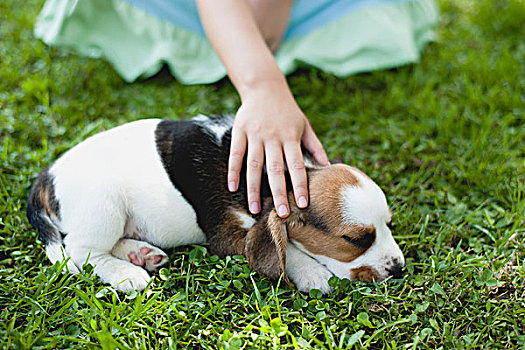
(140, 253)
(93, 228)
(121, 274)
(306, 272)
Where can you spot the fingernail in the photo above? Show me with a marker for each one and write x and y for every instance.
(282, 210)
(231, 186)
(254, 207)
(302, 202)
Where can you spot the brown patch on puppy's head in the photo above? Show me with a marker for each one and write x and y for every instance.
(325, 191)
(344, 245)
(323, 231)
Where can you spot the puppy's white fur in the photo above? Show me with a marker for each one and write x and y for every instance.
(109, 180)
(305, 271)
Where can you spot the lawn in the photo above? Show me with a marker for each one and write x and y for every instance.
(444, 138)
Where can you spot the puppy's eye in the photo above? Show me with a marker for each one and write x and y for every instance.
(363, 242)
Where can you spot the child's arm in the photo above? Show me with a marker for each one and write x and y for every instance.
(269, 125)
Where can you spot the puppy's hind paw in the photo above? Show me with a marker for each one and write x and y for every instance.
(150, 258)
(140, 253)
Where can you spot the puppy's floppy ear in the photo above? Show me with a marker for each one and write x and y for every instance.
(266, 246)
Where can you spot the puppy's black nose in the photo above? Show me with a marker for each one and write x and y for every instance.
(396, 271)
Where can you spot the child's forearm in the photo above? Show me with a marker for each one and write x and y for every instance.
(234, 35)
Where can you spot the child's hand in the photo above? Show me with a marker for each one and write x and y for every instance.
(269, 123)
(269, 126)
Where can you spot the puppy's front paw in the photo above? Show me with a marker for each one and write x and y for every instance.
(312, 277)
(305, 272)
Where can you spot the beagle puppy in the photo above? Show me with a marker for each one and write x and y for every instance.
(119, 197)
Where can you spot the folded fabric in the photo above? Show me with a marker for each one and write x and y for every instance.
(337, 36)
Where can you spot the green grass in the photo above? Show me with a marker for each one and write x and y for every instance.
(444, 138)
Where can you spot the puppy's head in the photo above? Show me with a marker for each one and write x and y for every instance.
(345, 228)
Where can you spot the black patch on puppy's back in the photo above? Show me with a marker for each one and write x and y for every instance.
(197, 167)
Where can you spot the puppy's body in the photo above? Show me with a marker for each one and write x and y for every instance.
(116, 197)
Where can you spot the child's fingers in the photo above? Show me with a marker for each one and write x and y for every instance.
(237, 151)
(253, 175)
(296, 168)
(275, 169)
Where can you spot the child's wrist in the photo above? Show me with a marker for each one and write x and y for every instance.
(264, 87)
